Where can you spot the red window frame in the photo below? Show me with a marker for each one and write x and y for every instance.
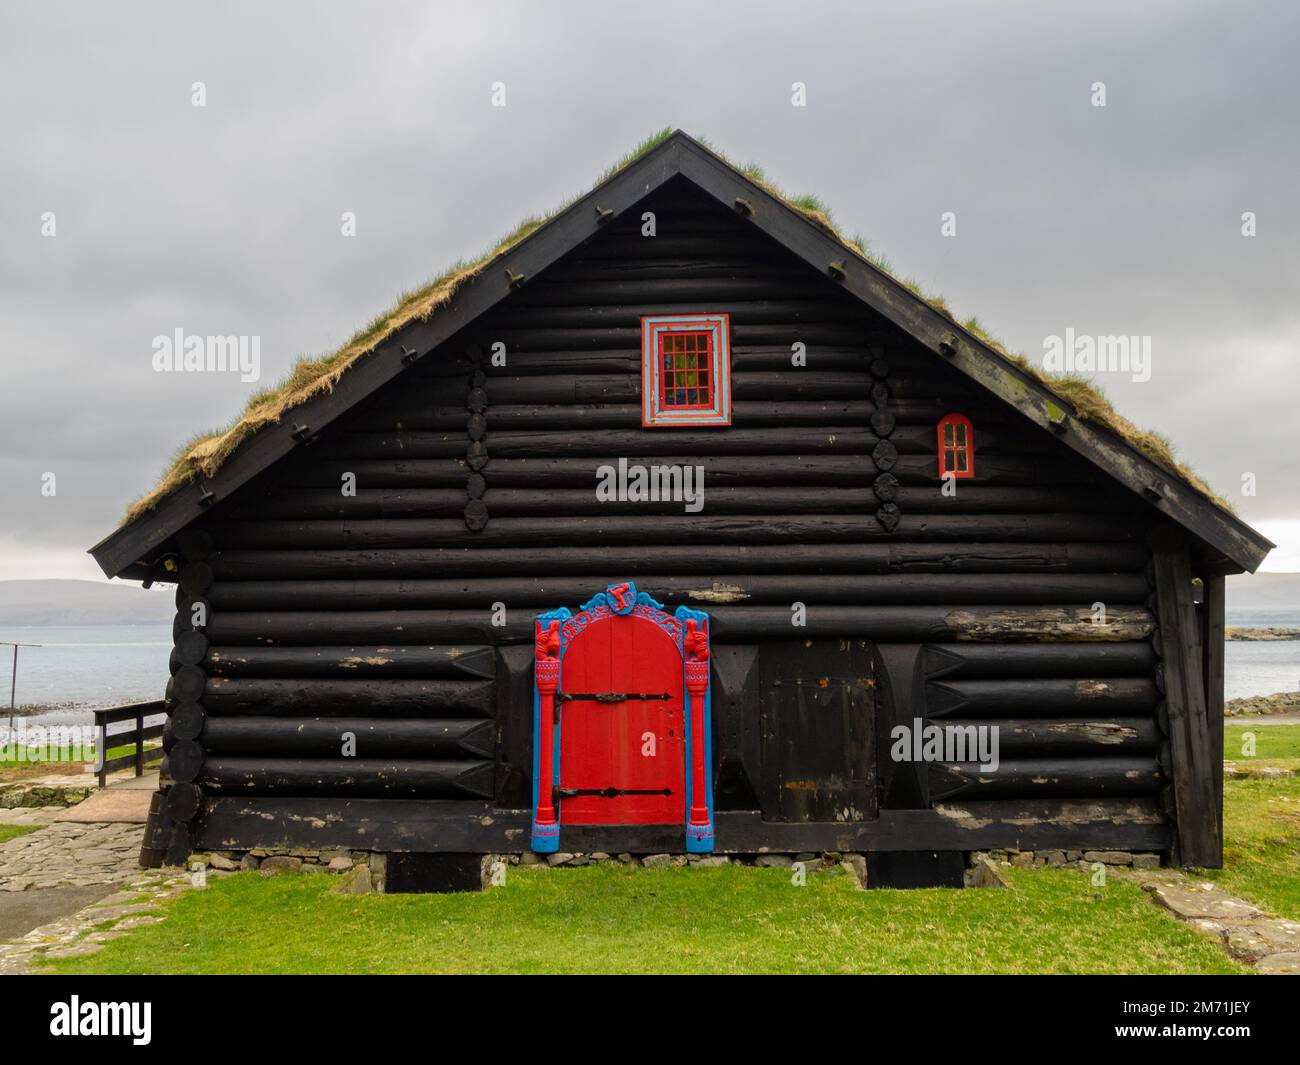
(685, 370)
(956, 440)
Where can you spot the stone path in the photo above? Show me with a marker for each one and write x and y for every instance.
(61, 884)
(68, 854)
(133, 905)
(1270, 944)
(21, 911)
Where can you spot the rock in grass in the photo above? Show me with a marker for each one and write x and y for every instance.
(986, 873)
(1189, 902)
(340, 864)
(279, 863)
(857, 864)
(1286, 963)
(1108, 857)
(655, 861)
(355, 882)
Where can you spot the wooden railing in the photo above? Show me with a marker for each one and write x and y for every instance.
(137, 734)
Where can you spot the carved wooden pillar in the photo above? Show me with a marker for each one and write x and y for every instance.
(546, 829)
(695, 652)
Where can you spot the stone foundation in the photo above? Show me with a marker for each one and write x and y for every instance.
(1063, 858)
(980, 872)
(272, 860)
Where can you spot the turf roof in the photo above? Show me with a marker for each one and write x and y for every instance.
(204, 455)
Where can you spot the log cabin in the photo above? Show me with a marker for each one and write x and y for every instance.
(677, 524)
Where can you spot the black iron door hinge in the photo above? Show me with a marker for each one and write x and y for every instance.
(608, 697)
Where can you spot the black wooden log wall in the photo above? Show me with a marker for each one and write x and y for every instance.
(375, 615)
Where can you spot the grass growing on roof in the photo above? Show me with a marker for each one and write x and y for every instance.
(613, 919)
(311, 376)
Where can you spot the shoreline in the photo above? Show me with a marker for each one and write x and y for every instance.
(38, 709)
(1262, 634)
(1278, 703)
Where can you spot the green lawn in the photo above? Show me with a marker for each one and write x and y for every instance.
(615, 919)
(11, 769)
(8, 832)
(1275, 745)
(1261, 853)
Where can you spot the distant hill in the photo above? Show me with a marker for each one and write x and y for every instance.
(1264, 591)
(72, 602)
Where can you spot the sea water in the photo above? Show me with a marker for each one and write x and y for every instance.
(85, 666)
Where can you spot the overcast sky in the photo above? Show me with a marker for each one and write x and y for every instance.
(225, 219)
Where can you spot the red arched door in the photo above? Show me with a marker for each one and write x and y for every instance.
(622, 742)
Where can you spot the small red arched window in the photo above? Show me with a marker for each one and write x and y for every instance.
(956, 446)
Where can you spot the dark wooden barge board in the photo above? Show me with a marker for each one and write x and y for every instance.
(473, 828)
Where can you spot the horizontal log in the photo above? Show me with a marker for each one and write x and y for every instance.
(238, 822)
(1079, 778)
(767, 470)
(396, 697)
(364, 737)
(596, 337)
(746, 414)
(423, 779)
(690, 245)
(626, 388)
(685, 528)
(623, 361)
(746, 360)
(676, 246)
(616, 564)
(352, 444)
(525, 502)
(618, 280)
(954, 660)
(730, 624)
(1054, 738)
(702, 445)
(305, 471)
(395, 661)
(720, 471)
(1108, 696)
(739, 624)
(761, 305)
(602, 299)
(742, 588)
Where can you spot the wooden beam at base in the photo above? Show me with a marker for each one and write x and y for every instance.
(477, 828)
